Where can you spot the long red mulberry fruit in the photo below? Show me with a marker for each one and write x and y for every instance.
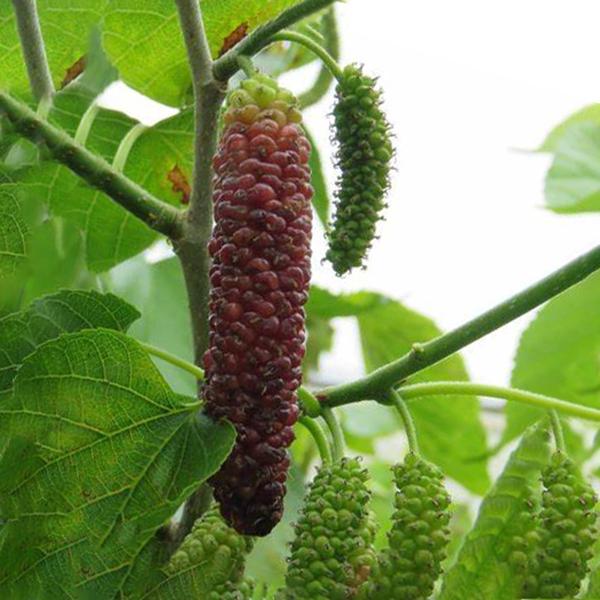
(259, 284)
(364, 158)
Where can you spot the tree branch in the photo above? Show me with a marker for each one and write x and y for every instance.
(208, 97)
(32, 45)
(376, 384)
(158, 215)
(227, 65)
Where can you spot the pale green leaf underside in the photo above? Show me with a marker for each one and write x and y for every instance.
(590, 113)
(481, 570)
(559, 354)
(125, 449)
(573, 181)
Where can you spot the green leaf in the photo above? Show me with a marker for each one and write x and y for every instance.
(589, 114)
(573, 181)
(326, 305)
(320, 339)
(481, 571)
(14, 234)
(159, 291)
(558, 354)
(125, 449)
(321, 200)
(51, 316)
(143, 39)
(449, 430)
(66, 27)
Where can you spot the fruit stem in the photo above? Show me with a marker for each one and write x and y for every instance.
(247, 66)
(332, 44)
(315, 429)
(197, 372)
(122, 153)
(462, 388)
(557, 431)
(313, 46)
(336, 433)
(407, 420)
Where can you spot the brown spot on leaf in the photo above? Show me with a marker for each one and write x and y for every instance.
(236, 36)
(180, 183)
(74, 71)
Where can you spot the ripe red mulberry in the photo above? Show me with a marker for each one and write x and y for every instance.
(259, 283)
(364, 158)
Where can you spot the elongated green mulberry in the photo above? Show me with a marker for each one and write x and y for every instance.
(210, 562)
(364, 158)
(567, 531)
(331, 536)
(417, 542)
(523, 544)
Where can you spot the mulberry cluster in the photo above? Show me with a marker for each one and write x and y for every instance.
(364, 158)
(411, 565)
(333, 535)
(213, 555)
(567, 531)
(260, 275)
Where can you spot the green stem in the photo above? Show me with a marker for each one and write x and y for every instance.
(376, 384)
(32, 45)
(318, 435)
(557, 431)
(407, 420)
(452, 388)
(309, 402)
(247, 66)
(85, 124)
(332, 44)
(336, 433)
(227, 65)
(122, 153)
(158, 215)
(197, 372)
(314, 47)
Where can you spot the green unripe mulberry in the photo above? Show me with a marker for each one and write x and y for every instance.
(417, 542)
(567, 531)
(332, 536)
(364, 158)
(210, 562)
